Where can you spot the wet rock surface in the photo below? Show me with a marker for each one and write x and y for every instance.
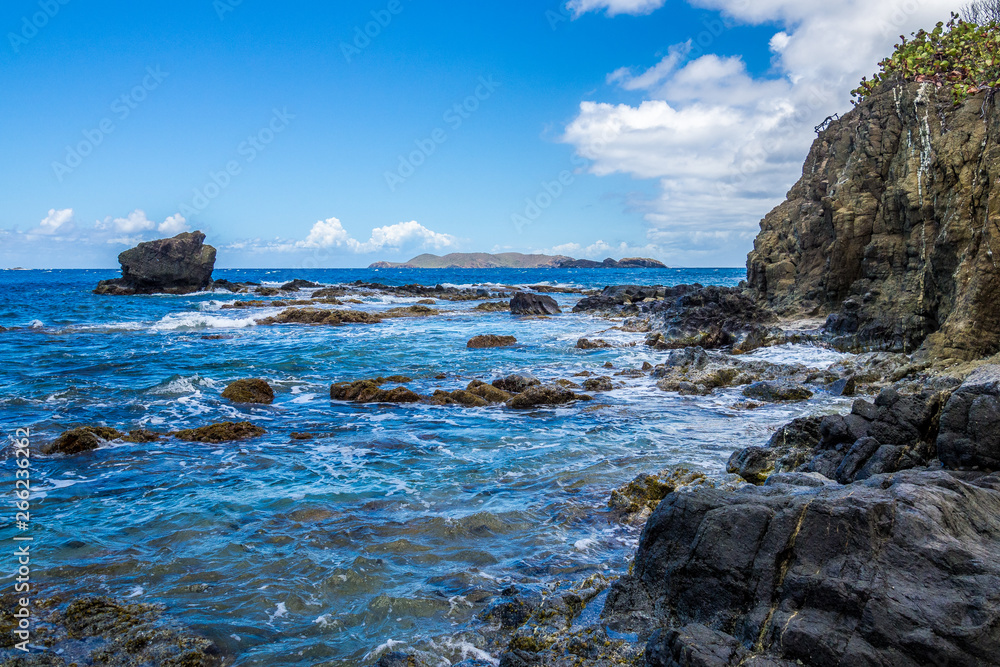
(221, 432)
(180, 265)
(105, 631)
(491, 340)
(253, 390)
(533, 304)
(828, 575)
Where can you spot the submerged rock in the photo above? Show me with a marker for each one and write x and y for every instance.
(825, 575)
(254, 390)
(491, 340)
(221, 432)
(533, 304)
(105, 631)
(180, 265)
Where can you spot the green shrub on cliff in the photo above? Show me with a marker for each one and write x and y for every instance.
(962, 55)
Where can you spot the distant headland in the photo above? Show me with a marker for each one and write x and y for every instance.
(516, 260)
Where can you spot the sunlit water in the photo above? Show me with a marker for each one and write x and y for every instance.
(394, 524)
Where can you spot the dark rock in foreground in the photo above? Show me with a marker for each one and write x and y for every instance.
(180, 265)
(533, 304)
(970, 425)
(893, 571)
(491, 340)
(253, 390)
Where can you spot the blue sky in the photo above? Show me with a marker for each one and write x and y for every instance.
(592, 128)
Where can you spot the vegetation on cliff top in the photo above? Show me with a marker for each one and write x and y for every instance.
(961, 54)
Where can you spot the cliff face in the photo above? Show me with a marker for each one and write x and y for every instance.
(891, 229)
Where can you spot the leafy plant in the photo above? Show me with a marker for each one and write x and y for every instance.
(960, 54)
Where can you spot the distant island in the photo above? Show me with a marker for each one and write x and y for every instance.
(516, 260)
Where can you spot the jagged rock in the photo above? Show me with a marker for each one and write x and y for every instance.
(595, 344)
(970, 424)
(222, 432)
(180, 265)
(488, 392)
(602, 383)
(317, 316)
(370, 391)
(515, 384)
(537, 395)
(885, 231)
(105, 631)
(297, 284)
(533, 304)
(411, 311)
(253, 390)
(633, 502)
(494, 307)
(491, 340)
(777, 391)
(685, 315)
(82, 439)
(891, 571)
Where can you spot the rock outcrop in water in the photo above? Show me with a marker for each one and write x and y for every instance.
(891, 229)
(180, 265)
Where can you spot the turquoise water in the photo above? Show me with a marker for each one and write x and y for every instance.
(395, 524)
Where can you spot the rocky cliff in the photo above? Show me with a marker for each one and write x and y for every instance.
(891, 229)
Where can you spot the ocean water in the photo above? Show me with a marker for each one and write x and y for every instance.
(396, 523)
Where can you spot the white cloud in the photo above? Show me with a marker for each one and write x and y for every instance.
(55, 221)
(403, 234)
(326, 234)
(173, 225)
(724, 144)
(614, 7)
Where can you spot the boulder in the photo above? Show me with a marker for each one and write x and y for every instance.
(490, 340)
(515, 384)
(969, 434)
(254, 390)
(82, 439)
(222, 432)
(776, 391)
(180, 265)
(533, 304)
(602, 383)
(891, 571)
(537, 395)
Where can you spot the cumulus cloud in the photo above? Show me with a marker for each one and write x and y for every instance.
(326, 234)
(401, 235)
(60, 220)
(614, 7)
(724, 144)
(173, 225)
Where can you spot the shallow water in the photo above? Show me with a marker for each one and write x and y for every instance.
(395, 523)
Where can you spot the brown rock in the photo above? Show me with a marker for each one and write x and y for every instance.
(491, 340)
(253, 390)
